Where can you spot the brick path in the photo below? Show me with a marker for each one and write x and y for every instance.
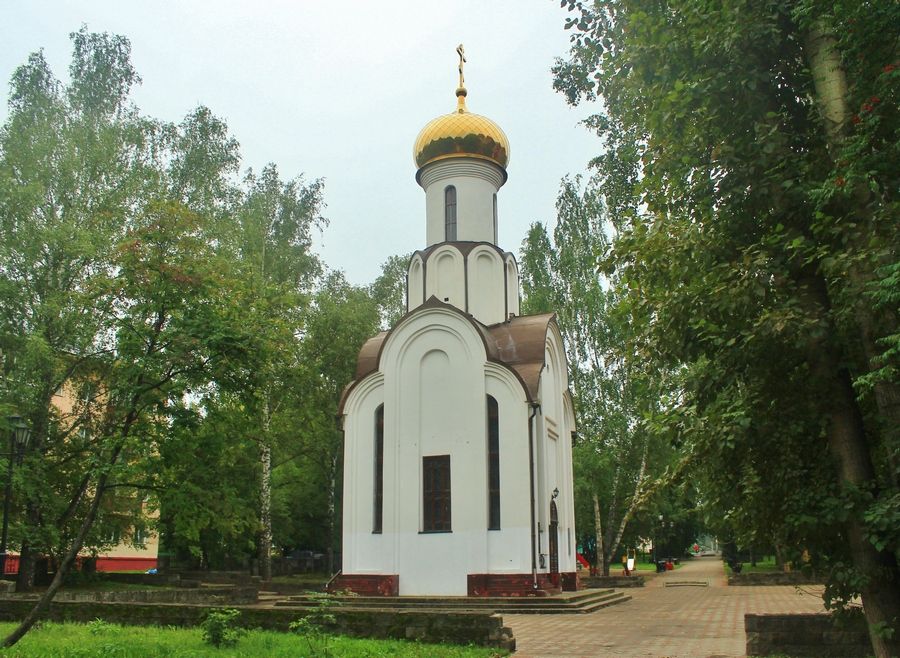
(660, 621)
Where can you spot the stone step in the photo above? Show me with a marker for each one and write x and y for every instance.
(582, 603)
(461, 601)
(687, 583)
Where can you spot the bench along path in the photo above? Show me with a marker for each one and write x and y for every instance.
(687, 613)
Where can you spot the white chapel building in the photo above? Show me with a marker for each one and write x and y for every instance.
(458, 424)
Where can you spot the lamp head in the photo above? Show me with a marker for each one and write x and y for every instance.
(20, 430)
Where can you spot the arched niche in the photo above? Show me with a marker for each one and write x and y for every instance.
(485, 281)
(445, 277)
(415, 283)
(512, 286)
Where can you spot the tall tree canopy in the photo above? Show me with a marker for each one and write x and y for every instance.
(761, 140)
(617, 459)
(149, 297)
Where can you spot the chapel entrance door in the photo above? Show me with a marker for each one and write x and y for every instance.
(554, 538)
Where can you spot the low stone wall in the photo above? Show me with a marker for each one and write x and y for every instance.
(150, 579)
(616, 582)
(773, 578)
(219, 577)
(806, 635)
(479, 628)
(289, 589)
(217, 595)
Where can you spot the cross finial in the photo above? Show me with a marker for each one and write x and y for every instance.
(461, 89)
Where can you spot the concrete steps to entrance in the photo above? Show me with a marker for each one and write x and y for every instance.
(686, 583)
(582, 601)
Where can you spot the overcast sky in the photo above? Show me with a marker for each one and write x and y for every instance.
(339, 90)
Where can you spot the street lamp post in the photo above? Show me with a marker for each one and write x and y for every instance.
(19, 435)
(656, 543)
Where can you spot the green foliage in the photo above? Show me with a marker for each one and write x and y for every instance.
(101, 627)
(318, 625)
(53, 640)
(389, 290)
(758, 256)
(219, 628)
(617, 456)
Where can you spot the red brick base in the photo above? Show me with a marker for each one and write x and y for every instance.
(367, 585)
(519, 584)
(569, 581)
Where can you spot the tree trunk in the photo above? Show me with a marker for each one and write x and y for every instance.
(265, 498)
(600, 563)
(830, 81)
(847, 439)
(847, 442)
(64, 567)
(779, 557)
(635, 499)
(265, 512)
(614, 502)
(332, 495)
(69, 559)
(880, 592)
(27, 564)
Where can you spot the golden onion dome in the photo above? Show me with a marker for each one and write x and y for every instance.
(461, 134)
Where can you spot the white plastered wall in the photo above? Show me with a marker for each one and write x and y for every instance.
(476, 181)
(486, 283)
(555, 454)
(433, 366)
(445, 276)
(509, 549)
(363, 551)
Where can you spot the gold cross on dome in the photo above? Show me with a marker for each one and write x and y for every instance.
(462, 60)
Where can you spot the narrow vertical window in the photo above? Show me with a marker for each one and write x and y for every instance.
(496, 241)
(493, 446)
(450, 213)
(378, 493)
(436, 493)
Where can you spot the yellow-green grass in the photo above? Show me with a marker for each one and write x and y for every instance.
(53, 640)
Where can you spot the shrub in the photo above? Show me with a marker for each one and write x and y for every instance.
(219, 629)
(101, 627)
(318, 625)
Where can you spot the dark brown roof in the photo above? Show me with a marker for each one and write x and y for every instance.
(517, 344)
(367, 361)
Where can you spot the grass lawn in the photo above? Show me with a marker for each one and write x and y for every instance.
(316, 579)
(764, 565)
(109, 640)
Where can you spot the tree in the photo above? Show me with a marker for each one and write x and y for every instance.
(389, 290)
(767, 168)
(71, 164)
(272, 244)
(124, 286)
(342, 318)
(614, 459)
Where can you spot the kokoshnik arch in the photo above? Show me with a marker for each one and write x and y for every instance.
(458, 424)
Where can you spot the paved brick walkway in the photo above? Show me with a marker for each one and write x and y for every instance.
(660, 621)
